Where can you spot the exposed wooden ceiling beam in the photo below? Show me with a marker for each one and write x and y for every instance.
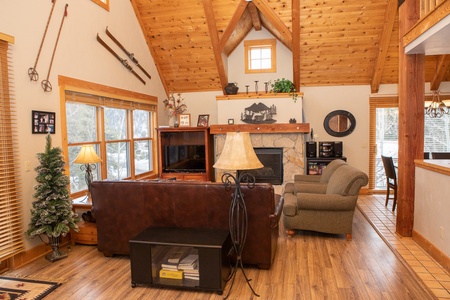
(296, 43)
(254, 13)
(389, 17)
(442, 66)
(211, 21)
(232, 25)
(268, 12)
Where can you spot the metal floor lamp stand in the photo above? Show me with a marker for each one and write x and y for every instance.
(238, 222)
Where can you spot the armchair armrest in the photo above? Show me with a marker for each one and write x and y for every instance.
(311, 187)
(307, 178)
(306, 201)
(275, 217)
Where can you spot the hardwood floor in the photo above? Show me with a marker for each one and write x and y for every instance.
(307, 266)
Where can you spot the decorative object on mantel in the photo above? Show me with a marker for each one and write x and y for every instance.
(266, 87)
(292, 121)
(175, 106)
(436, 108)
(284, 86)
(45, 84)
(231, 88)
(32, 73)
(52, 213)
(246, 89)
(129, 54)
(256, 86)
(259, 114)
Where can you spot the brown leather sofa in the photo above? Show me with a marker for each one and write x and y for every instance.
(125, 208)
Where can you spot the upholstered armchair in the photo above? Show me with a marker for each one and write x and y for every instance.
(328, 212)
(313, 183)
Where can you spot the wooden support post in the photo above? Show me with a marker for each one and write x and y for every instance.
(411, 92)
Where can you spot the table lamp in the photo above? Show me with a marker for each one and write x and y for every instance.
(88, 158)
(238, 154)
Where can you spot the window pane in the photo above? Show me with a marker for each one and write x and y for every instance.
(115, 124)
(78, 171)
(117, 160)
(142, 157)
(255, 64)
(437, 135)
(141, 123)
(255, 53)
(266, 53)
(81, 123)
(265, 64)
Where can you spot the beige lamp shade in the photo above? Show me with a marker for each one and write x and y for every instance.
(87, 155)
(238, 153)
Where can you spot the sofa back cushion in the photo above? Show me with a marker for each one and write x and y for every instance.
(346, 180)
(330, 169)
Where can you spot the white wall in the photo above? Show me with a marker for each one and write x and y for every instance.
(78, 55)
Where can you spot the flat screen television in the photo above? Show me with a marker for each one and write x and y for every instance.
(184, 159)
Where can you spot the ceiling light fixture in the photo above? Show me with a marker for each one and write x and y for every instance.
(437, 108)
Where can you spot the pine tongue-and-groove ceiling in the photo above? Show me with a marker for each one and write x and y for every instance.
(334, 42)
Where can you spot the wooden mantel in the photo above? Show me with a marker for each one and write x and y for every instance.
(261, 128)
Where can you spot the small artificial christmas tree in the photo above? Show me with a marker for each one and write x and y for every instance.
(52, 213)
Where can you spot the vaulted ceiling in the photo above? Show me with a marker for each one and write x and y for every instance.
(333, 42)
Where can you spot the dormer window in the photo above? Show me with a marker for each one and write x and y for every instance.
(260, 56)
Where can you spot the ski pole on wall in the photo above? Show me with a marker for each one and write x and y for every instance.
(46, 85)
(129, 54)
(32, 73)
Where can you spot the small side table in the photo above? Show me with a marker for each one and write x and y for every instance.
(149, 248)
(87, 234)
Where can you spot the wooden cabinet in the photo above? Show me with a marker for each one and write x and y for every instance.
(87, 234)
(186, 153)
(315, 165)
(151, 249)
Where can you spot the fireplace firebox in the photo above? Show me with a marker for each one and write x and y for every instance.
(272, 172)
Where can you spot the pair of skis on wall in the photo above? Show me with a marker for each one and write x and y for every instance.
(122, 60)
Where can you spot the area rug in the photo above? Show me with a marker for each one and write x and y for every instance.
(25, 289)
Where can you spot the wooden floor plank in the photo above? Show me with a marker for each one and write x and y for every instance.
(308, 265)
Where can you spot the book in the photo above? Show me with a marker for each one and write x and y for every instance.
(172, 274)
(189, 260)
(169, 266)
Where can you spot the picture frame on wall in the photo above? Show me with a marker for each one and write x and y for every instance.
(184, 120)
(203, 121)
(43, 122)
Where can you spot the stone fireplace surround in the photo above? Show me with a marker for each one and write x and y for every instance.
(290, 137)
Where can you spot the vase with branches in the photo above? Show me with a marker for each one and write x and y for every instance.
(175, 105)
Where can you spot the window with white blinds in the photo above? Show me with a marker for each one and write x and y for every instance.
(11, 231)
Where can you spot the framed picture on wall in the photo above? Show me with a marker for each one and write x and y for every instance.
(184, 120)
(203, 121)
(42, 122)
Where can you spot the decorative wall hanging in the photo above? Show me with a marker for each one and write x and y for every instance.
(34, 76)
(42, 122)
(123, 61)
(46, 85)
(259, 114)
(129, 54)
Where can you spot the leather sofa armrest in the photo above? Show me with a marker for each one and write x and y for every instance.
(275, 217)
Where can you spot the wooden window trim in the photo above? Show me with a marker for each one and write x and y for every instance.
(102, 3)
(249, 44)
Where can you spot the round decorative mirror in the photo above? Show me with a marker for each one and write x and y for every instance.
(339, 123)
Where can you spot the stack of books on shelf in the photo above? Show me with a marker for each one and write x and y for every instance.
(189, 265)
(179, 264)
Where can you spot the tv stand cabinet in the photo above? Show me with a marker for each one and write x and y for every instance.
(186, 153)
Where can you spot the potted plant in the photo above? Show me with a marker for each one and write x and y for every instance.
(284, 86)
(52, 213)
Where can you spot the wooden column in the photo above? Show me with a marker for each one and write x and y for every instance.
(411, 93)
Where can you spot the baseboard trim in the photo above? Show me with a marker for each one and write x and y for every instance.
(32, 254)
(434, 252)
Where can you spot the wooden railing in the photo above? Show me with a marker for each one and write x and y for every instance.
(426, 6)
